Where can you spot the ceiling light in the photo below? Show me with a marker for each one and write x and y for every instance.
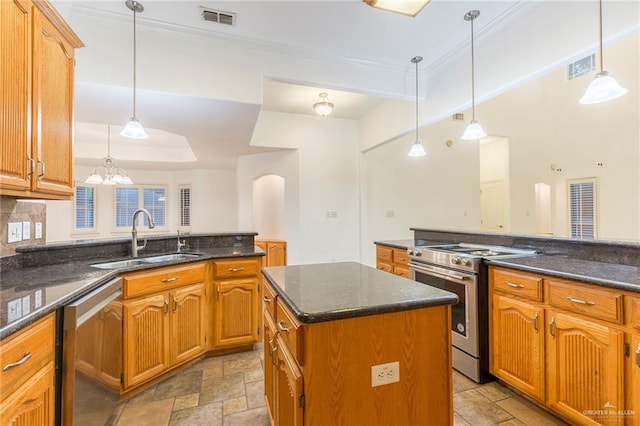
(322, 106)
(134, 129)
(473, 130)
(113, 175)
(405, 7)
(603, 87)
(417, 150)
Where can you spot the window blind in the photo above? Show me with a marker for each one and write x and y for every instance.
(582, 208)
(126, 204)
(185, 206)
(154, 202)
(85, 207)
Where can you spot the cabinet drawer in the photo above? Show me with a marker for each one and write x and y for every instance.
(269, 299)
(384, 254)
(160, 279)
(290, 330)
(24, 353)
(516, 283)
(236, 268)
(583, 299)
(634, 318)
(400, 257)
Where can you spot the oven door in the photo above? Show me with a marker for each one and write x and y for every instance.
(464, 315)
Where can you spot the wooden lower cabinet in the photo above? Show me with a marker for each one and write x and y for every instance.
(236, 312)
(27, 375)
(270, 365)
(289, 388)
(276, 252)
(633, 376)
(586, 365)
(394, 260)
(517, 345)
(161, 331)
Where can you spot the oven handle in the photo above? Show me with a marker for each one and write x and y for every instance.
(441, 274)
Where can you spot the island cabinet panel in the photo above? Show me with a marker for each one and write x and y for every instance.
(517, 345)
(27, 375)
(289, 388)
(585, 361)
(270, 365)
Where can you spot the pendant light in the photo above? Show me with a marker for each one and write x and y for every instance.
(603, 87)
(473, 130)
(417, 150)
(134, 129)
(322, 106)
(113, 175)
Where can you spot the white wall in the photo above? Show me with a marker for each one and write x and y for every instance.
(321, 176)
(268, 207)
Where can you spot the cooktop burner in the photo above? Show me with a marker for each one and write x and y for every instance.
(462, 255)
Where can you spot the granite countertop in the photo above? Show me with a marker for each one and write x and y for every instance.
(27, 294)
(401, 244)
(623, 277)
(332, 291)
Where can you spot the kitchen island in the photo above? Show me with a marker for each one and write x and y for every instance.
(348, 344)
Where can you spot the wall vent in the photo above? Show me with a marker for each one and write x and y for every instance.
(458, 116)
(581, 67)
(218, 16)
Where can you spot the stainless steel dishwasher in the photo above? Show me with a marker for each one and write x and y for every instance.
(92, 356)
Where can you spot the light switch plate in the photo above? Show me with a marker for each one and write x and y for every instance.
(14, 232)
(38, 230)
(26, 230)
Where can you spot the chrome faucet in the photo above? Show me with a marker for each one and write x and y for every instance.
(180, 243)
(134, 231)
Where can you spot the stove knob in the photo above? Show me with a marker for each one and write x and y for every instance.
(456, 261)
(410, 252)
(467, 262)
(418, 253)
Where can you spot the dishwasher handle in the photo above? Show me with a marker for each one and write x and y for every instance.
(76, 313)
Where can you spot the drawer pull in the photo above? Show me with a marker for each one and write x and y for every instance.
(169, 280)
(551, 327)
(265, 299)
(26, 357)
(43, 168)
(638, 356)
(236, 269)
(514, 285)
(535, 322)
(282, 327)
(580, 301)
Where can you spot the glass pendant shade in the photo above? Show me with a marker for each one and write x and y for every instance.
(134, 130)
(323, 107)
(603, 88)
(113, 175)
(417, 150)
(94, 178)
(473, 131)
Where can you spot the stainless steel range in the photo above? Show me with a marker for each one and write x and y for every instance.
(458, 268)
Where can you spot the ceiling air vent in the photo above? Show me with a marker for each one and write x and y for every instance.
(219, 17)
(458, 116)
(581, 67)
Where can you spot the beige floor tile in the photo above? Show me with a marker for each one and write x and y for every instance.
(253, 376)
(459, 421)
(145, 396)
(240, 365)
(255, 417)
(494, 391)
(478, 410)
(222, 388)
(462, 383)
(513, 422)
(212, 372)
(155, 413)
(182, 383)
(204, 415)
(186, 401)
(234, 405)
(528, 413)
(255, 394)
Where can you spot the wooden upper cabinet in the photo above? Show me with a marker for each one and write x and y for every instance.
(586, 364)
(36, 115)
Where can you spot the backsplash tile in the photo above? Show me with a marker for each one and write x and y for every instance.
(18, 210)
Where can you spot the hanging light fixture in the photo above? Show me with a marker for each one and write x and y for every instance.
(603, 87)
(473, 130)
(322, 106)
(417, 150)
(404, 7)
(134, 129)
(113, 175)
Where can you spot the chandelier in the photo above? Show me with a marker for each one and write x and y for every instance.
(113, 175)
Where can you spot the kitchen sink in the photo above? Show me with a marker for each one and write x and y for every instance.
(169, 257)
(119, 264)
(145, 260)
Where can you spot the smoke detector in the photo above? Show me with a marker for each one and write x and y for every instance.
(218, 16)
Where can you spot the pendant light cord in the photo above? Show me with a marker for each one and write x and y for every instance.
(134, 61)
(417, 98)
(473, 78)
(601, 50)
(108, 141)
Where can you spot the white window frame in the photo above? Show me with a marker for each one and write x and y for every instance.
(140, 226)
(181, 213)
(594, 182)
(85, 231)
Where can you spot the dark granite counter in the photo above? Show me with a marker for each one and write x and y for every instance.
(400, 244)
(623, 277)
(332, 291)
(29, 291)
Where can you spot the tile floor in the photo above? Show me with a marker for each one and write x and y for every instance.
(228, 390)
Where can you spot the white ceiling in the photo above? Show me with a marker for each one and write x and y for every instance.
(219, 131)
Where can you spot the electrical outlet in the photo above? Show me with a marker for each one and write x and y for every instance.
(332, 214)
(26, 230)
(383, 374)
(38, 230)
(14, 232)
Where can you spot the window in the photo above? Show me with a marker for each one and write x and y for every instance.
(185, 206)
(85, 208)
(130, 198)
(582, 208)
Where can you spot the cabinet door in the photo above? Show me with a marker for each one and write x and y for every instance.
(32, 404)
(15, 102)
(187, 322)
(401, 271)
(236, 312)
(276, 254)
(289, 387)
(517, 345)
(633, 387)
(270, 363)
(146, 338)
(585, 367)
(52, 104)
